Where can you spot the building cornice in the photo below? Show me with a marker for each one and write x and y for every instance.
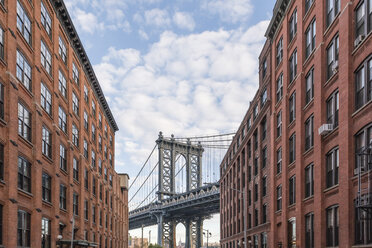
(65, 20)
(278, 15)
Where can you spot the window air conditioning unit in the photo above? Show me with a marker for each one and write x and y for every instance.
(360, 169)
(325, 128)
(335, 67)
(358, 40)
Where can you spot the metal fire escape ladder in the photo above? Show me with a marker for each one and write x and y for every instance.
(364, 171)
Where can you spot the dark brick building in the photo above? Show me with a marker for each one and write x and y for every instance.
(57, 135)
(320, 118)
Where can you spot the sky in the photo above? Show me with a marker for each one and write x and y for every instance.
(184, 67)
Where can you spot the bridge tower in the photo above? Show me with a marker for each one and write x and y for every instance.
(169, 150)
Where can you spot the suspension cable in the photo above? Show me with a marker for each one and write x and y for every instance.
(144, 182)
(143, 166)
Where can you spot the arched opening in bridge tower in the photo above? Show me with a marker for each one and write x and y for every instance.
(180, 174)
(180, 235)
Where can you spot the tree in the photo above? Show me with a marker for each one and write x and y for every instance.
(154, 246)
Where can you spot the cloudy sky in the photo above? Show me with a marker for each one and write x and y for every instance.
(187, 67)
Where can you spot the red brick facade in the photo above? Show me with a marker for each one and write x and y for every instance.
(46, 89)
(329, 48)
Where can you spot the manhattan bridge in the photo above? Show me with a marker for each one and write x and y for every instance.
(178, 183)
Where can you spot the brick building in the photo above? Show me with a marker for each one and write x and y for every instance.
(246, 168)
(320, 119)
(57, 135)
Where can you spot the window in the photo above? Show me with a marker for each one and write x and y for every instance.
(363, 84)
(255, 165)
(93, 109)
(263, 97)
(46, 99)
(332, 57)
(362, 139)
(24, 122)
(256, 217)
(24, 229)
(249, 123)
(62, 157)
(86, 123)
(100, 142)
(255, 112)
(46, 142)
(1, 167)
(62, 86)
(94, 186)
(75, 166)
(293, 66)
(23, 70)
(309, 180)
(85, 149)
(86, 211)
(1, 101)
(46, 187)
(94, 213)
(264, 186)
(24, 174)
(309, 133)
(309, 86)
(93, 132)
(255, 137)
(293, 25)
(264, 240)
(75, 203)
(264, 157)
(93, 159)
(46, 58)
(308, 4)
(75, 73)
(279, 124)
(110, 180)
(112, 142)
(333, 7)
(46, 21)
(332, 163)
(279, 51)
(62, 196)
(106, 131)
(23, 23)
(1, 43)
(255, 192)
(292, 107)
(279, 160)
(255, 241)
(279, 88)
(363, 227)
(332, 226)
(86, 179)
(279, 198)
(62, 119)
(101, 192)
(264, 68)
(75, 135)
(105, 172)
(263, 128)
(75, 104)
(62, 49)
(309, 230)
(332, 109)
(292, 232)
(310, 34)
(363, 20)
(292, 148)
(85, 93)
(292, 190)
(99, 120)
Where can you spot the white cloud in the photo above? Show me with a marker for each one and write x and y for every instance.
(187, 85)
(157, 17)
(231, 11)
(184, 20)
(88, 22)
